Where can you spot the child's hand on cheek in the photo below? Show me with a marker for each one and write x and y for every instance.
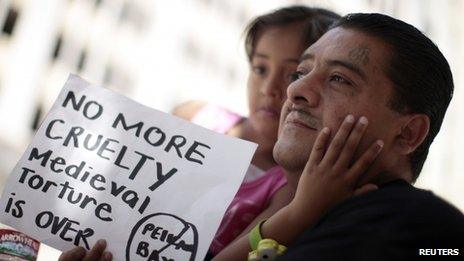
(329, 177)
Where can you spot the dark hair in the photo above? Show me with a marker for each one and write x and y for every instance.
(422, 78)
(316, 21)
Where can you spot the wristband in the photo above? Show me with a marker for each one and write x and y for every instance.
(255, 235)
(267, 250)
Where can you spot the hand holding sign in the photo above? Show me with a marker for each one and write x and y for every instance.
(97, 253)
(104, 166)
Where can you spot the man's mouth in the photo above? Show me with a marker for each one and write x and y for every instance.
(301, 118)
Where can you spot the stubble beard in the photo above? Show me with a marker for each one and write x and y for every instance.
(292, 158)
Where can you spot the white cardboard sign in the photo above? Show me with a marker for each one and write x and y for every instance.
(104, 166)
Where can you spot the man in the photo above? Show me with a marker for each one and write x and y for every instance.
(373, 68)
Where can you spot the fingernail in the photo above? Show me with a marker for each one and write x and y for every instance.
(325, 130)
(380, 144)
(349, 118)
(107, 256)
(101, 242)
(363, 120)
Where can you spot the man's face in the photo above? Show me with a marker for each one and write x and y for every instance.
(342, 73)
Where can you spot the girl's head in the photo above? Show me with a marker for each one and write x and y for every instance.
(273, 44)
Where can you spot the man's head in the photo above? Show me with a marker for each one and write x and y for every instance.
(375, 66)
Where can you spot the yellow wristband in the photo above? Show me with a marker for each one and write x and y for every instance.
(268, 250)
(255, 235)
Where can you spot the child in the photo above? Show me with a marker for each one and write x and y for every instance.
(273, 43)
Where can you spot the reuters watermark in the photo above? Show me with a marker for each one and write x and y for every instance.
(438, 252)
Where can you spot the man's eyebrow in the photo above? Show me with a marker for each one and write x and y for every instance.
(350, 66)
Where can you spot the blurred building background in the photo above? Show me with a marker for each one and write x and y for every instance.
(161, 53)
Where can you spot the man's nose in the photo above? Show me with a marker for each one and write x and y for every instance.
(305, 91)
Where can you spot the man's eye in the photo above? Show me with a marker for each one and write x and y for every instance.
(296, 76)
(259, 70)
(338, 79)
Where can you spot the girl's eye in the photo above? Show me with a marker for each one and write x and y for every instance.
(259, 70)
(296, 76)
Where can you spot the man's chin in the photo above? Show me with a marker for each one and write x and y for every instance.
(291, 156)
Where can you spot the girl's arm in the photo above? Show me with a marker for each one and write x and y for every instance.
(188, 110)
(280, 199)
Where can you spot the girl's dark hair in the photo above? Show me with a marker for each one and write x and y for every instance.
(315, 22)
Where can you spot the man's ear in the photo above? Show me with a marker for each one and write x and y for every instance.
(413, 132)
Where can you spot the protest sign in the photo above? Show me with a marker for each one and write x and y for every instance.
(103, 166)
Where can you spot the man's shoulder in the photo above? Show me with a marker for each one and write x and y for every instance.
(398, 199)
(398, 210)
(392, 222)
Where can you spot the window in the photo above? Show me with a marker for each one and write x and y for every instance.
(37, 116)
(134, 15)
(98, 3)
(57, 48)
(82, 60)
(10, 22)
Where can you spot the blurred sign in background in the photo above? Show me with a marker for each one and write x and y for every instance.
(161, 53)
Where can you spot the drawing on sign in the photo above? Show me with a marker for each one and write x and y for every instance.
(162, 236)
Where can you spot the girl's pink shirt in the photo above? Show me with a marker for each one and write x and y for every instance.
(253, 197)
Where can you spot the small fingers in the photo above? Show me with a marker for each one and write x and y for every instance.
(96, 252)
(107, 256)
(364, 162)
(319, 146)
(76, 253)
(339, 140)
(351, 144)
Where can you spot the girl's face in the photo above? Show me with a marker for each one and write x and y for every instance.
(275, 58)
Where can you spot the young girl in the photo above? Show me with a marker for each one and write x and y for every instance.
(273, 43)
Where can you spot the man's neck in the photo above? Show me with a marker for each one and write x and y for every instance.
(388, 176)
(378, 179)
(393, 169)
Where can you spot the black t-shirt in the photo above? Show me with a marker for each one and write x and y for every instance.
(395, 222)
